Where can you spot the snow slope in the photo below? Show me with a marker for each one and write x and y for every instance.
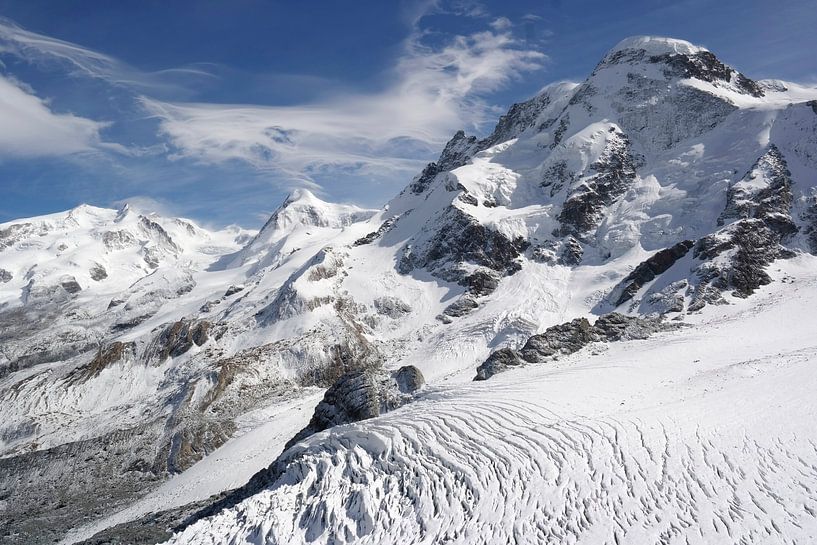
(701, 435)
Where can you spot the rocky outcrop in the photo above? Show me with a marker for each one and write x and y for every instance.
(457, 152)
(116, 240)
(374, 235)
(559, 339)
(462, 239)
(105, 357)
(481, 282)
(232, 290)
(70, 285)
(648, 270)
(520, 117)
(613, 173)
(568, 338)
(810, 218)
(360, 395)
(461, 307)
(393, 307)
(499, 361)
(177, 338)
(764, 193)
(705, 66)
(619, 327)
(5, 276)
(686, 62)
(572, 252)
(735, 257)
(98, 272)
(15, 232)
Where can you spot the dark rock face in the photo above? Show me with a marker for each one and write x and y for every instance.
(98, 272)
(5, 276)
(374, 235)
(461, 307)
(557, 176)
(614, 173)
(391, 307)
(481, 282)
(521, 116)
(456, 153)
(572, 252)
(560, 131)
(649, 269)
(771, 202)
(498, 362)
(705, 66)
(178, 338)
(582, 96)
(70, 285)
(568, 338)
(619, 327)
(761, 205)
(232, 290)
(752, 246)
(422, 182)
(810, 217)
(409, 379)
(105, 356)
(360, 395)
(463, 239)
(559, 339)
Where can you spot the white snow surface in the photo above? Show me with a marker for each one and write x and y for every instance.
(701, 435)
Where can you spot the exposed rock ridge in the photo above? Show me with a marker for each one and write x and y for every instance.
(649, 269)
(736, 256)
(568, 338)
(614, 172)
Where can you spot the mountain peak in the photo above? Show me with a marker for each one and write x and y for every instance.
(656, 45)
(302, 207)
(661, 58)
(301, 195)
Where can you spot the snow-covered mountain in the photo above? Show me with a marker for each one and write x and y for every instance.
(626, 263)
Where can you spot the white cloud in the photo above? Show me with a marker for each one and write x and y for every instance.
(29, 128)
(432, 92)
(38, 48)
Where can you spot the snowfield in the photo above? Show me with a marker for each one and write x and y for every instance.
(701, 435)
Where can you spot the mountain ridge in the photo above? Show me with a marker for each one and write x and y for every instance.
(666, 187)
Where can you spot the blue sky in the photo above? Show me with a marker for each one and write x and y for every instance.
(215, 110)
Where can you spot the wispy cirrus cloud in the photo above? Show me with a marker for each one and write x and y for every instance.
(357, 139)
(30, 129)
(431, 92)
(41, 49)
